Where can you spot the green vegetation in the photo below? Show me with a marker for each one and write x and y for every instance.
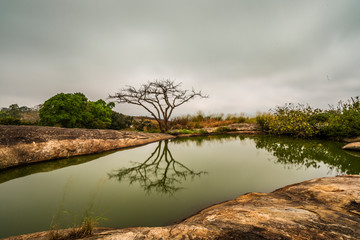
(298, 120)
(190, 131)
(74, 110)
(15, 115)
(85, 229)
(306, 122)
(120, 121)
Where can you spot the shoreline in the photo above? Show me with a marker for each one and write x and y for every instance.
(24, 145)
(322, 208)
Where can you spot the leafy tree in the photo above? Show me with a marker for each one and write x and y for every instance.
(120, 121)
(74, 110)
(159, 98)
(98, 114)
(64, 109)
(14, 111)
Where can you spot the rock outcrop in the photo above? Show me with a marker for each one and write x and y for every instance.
(21, 145)
(352, 139)
(324, 208)
(352, 146)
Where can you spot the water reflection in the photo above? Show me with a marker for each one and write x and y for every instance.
(160, 172)
(200, 140)
(292, 152)
(309, 153)
(48, 166)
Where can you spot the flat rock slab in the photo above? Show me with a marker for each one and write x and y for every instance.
(21, 145)
(323, 208)
(352, 146)
(353, 139)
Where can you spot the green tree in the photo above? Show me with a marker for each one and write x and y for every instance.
(14, 111)
(74, 110)
(120, 121)
(98, 114)
(64, 109)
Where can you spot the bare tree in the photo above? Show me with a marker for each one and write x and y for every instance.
(160, 172)
(158, 97)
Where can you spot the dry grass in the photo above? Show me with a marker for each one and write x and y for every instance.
(86, 229)
(200, 120)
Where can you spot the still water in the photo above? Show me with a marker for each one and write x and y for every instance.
(160, 183)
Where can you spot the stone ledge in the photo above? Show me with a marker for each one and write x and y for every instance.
(20, 145)
(323, 208)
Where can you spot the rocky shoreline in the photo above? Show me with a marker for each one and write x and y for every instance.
(21, 145)
(323, 208)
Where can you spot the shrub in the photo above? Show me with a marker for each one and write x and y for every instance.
(303, 121)
(292, 120)
(10, 121)
(74, 110)
(120, 121)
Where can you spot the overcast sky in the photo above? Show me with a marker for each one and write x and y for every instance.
(248, 56)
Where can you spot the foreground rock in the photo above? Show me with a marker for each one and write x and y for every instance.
(352, 146)
(21, 145)
(325, 208)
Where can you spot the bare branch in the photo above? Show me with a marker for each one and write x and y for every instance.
(158, 97)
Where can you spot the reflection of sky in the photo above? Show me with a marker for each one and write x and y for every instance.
(247, 55)
(234, 166)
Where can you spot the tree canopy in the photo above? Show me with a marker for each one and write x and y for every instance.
(75, 110)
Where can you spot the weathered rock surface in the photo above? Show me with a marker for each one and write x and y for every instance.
(324, 208)
(352, 146)
(353, 139)
(28, 144)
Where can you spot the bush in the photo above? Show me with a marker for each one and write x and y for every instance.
(74, 110)
(303, 121)
(10, 121)
(142, 125)
(120, 121)
(343, 121)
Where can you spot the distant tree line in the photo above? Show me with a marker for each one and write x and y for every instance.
(74, 110)
(70, 110)
(13, 114)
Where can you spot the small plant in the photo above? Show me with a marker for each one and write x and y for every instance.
(142, 125)
(223, 130)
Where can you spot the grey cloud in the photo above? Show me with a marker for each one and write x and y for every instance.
(248, 55)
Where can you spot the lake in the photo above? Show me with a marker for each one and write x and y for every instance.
(160, 183)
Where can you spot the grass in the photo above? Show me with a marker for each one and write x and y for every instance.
(85, 229)
(200, 120)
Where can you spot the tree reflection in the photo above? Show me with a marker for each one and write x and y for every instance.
(159, 173)
(309, 153)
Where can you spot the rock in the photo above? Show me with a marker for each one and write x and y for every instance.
(21, 145)
(324, 208)
(352, 146)
(354, 139)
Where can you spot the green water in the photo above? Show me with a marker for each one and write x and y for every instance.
(160, 183)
